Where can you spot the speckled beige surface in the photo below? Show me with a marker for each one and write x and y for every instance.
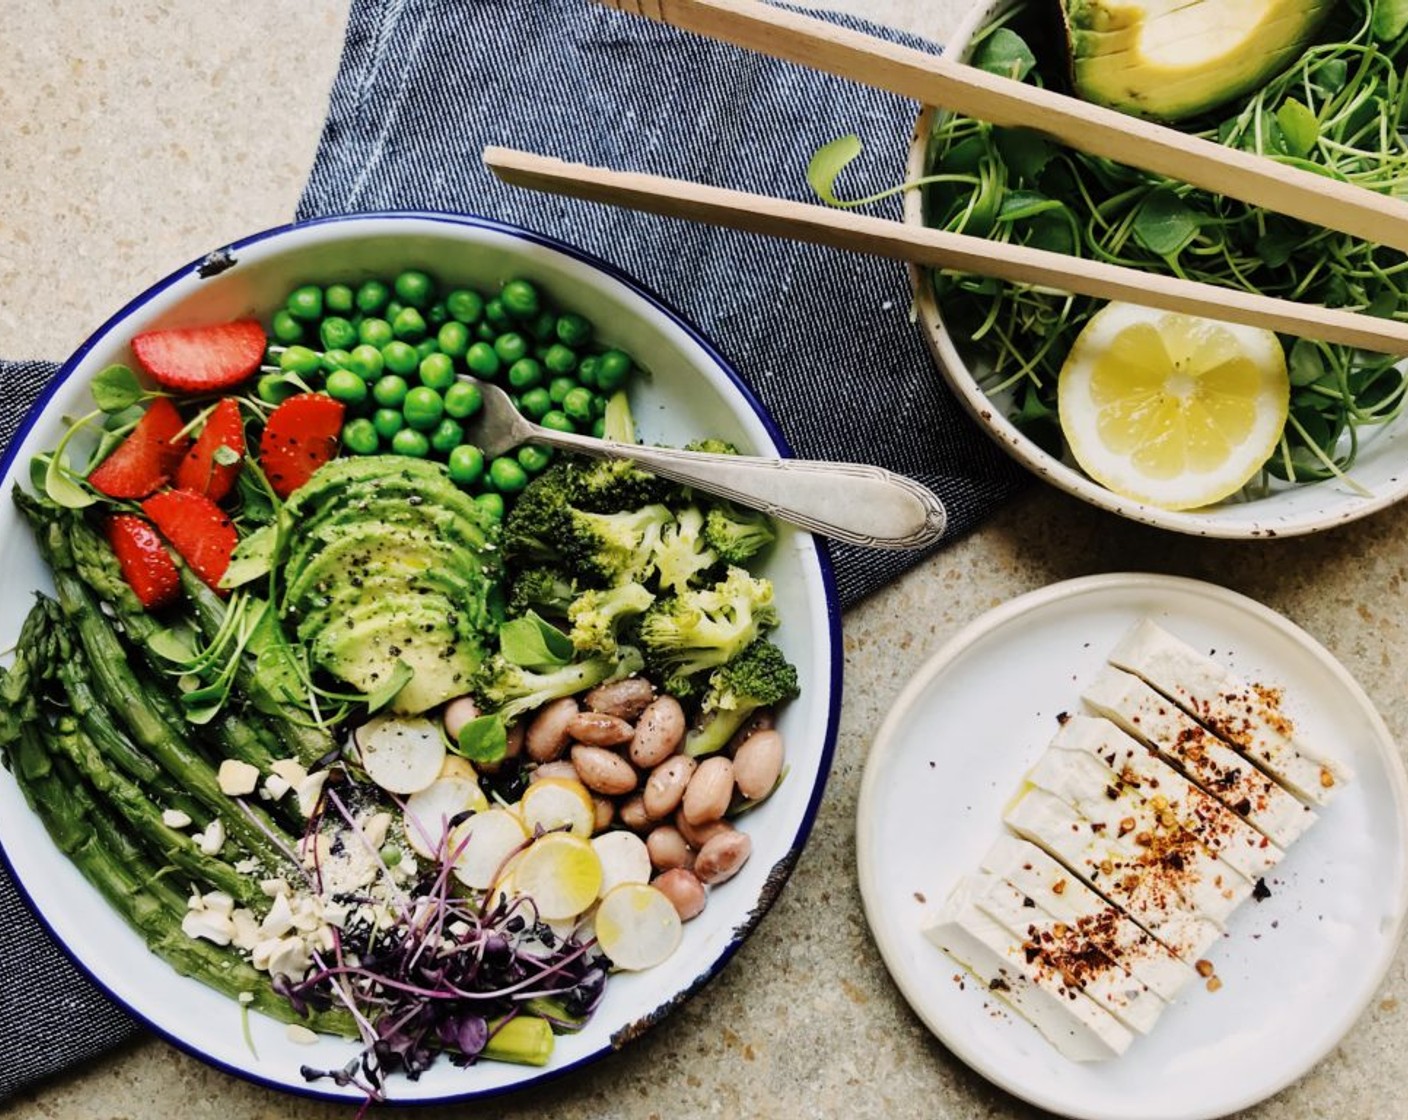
(137, 135)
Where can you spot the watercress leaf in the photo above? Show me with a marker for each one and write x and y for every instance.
(1276, 246)
(1054, 231)
(1006, 54)
(1300, 128)
(401, 675)
(1026, 153)
(1020, 205)
(203, 713)
(172, 645)
(1390, 19)
(534, 643)
(116, 388)
(828, 162)
(483, 740)
(1165, 224)
(253, 557)
(227, 456)
(1330, 75)
(1385, 302)
(62, 487)
(1306, 364)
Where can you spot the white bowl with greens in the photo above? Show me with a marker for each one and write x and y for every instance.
(687, 393)
(1343, 455)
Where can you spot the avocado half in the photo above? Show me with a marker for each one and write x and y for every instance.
(1173, 59)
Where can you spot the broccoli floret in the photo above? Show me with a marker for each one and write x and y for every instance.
(532, 527)
(508, 690)
(547, 590)
(759, 677)
(597, 617)
(612, 548)
(736, 534)
(702, 629)
(611, 485)
(682, 554)
(712, 446)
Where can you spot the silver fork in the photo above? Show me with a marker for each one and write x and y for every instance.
(853, 502)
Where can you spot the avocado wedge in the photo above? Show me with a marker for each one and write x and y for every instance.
(1174, 59)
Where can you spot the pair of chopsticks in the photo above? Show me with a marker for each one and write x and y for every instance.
(939, 81)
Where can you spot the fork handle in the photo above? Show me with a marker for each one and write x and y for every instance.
(852, 502)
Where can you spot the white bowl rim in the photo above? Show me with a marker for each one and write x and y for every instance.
(781, 869)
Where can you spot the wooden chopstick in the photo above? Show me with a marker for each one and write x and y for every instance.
(940, 81)
(844, 229)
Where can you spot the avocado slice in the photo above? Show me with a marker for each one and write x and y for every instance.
(1174, 59)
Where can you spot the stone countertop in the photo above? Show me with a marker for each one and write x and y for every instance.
(137, 134)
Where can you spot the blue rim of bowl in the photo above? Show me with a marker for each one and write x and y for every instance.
(782, 869)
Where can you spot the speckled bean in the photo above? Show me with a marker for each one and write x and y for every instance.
(559, 769)
(547, 737)
(625, 698)
(658, 732)
(603, 771)
(709, 791)
(721, 858)
(668, 848)
(757, 764)
(633, 815)
(667, 784)
(605, 813)
(458, 713)
(684, 890)
(697, 835)
(760, 720)
(597, 729)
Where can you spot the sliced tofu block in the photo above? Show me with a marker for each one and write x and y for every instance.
(1055, 890)
(1059, 946)
(1172, 889)
(1178, 738)
(1168, 796)
(1246, 715)
(1076, 1025)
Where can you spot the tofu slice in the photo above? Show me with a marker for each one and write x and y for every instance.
(1168, 888)
(1051, 943)
(1167, 795)
(1244, 714)
(1055, 890)
(1076, 1025)
(1179, 739)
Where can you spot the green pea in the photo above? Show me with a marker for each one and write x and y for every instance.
(485, 333)
(388, 421)
(437, 371)
(465, 306)
(390, 391)
(559, 387)
(578, 404)
(306, 303)
(415, 288)
(482, 360)
(543, 326)
(492, 504)
(375, 332)
(535, 403)
(400, 357)
(337, 333)
(394, 307)
(507, 476)
(411, 443)
(453, 338)
(423, 408)
(299, 359)
(525, 373)
(599, 404)
(273, 389)
(463, 399)
(511, 347)
(286, 328)
(366, 362)
(425, 347)
(447, 436)
(466, 464)
(496, 315)
(345, 386)
(560, 359)
(372, 296)
(409, 324)
(360, 436)
(520, 299)
(588, 370)
(334, 359)
(599, 427)
(436, 316)
(557, 420)
(573, 330)
(339, 299)
(534, 459)
(614, 368)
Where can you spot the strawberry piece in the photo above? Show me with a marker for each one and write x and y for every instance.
(146, 565)
(202, 359)
(300, 436)
(197, 529)
(147, 458)
(201, 469)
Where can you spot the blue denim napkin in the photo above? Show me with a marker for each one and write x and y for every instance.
(824, 338)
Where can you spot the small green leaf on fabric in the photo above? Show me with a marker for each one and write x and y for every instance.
(828, 162)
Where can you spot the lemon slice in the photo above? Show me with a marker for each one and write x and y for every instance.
(429, 811)
(555, 803)
(637, 926)
(484, 842)
(560, 873)
(1172, 410)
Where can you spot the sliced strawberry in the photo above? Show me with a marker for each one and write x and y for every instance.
(301, 435)
(201, 469)
(147, 458)
(197, 529)
(146, 565)
(202, 359)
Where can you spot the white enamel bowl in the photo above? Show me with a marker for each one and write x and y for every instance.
(690, 392)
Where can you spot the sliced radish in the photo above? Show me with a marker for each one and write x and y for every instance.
(401, 754)
(484, 843)
(556, 803)
(560, 873)
(637, 926)
(429, 812)
(624, 859)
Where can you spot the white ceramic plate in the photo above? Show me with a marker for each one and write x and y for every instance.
(1297, 969)
(690, 392)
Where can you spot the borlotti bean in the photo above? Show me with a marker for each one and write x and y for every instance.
(666, 786)
(658, 733)
(547, 736)
(709, 792)
(626, 698)
(597, 729)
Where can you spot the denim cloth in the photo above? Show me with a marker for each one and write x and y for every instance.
(824, 338)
